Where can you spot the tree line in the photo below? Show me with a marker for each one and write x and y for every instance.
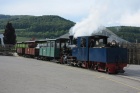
(52, 26)
(128, 33)
(37, 26)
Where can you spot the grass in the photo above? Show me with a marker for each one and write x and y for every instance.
(1, 31)
(21, 39)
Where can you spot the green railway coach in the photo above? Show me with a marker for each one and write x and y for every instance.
(52, 48)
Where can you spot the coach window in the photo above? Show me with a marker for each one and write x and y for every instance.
(53, 44)
(48, 44)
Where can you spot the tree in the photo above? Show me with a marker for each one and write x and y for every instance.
(9, 34)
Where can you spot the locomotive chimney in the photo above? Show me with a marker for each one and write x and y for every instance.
(71, 39)
(105, 41)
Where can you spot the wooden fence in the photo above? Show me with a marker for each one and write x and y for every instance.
(133, 53)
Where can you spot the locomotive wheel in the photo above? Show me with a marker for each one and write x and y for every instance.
(79, 65)
(96, 68)
(106, 70)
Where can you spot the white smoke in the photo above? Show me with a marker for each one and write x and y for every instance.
(108, 13)
(88, 25)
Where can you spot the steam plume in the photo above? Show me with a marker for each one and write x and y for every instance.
(108, 13)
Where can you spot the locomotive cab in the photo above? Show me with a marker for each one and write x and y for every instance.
(107, 57)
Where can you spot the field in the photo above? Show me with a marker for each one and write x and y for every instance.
(19, 39)
(1, 31)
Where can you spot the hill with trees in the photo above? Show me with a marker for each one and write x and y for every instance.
(131, 34)
(37, 26)
(52, 26)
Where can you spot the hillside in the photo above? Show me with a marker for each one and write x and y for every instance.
(50, 26)
(128, 33)
(37, 26)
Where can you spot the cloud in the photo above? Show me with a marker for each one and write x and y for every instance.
(111, 12)
(63, 8)
(129, 19)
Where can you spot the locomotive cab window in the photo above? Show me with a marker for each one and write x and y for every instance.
(98, 41)
(83, 42)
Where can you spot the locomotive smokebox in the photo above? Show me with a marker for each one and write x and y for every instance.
(71, 39)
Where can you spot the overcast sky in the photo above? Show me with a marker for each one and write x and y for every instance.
(108, 12)
(74, 10)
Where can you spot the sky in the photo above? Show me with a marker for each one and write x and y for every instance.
(101, 12)
(73, 10)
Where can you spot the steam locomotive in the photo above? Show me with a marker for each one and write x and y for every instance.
(92, 52)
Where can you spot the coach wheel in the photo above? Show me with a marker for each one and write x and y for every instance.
(63, 61)
(37, 58)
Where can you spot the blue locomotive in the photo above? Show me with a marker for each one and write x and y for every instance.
(94, 52)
